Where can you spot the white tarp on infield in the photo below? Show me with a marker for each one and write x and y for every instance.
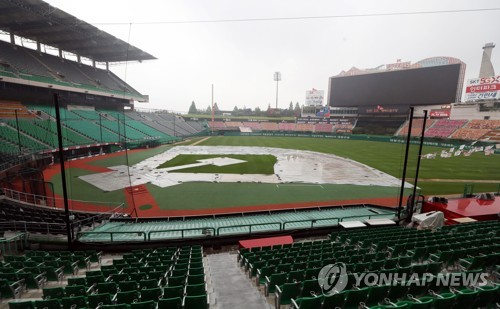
(293, 166)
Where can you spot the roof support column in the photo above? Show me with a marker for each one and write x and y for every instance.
(60, 53)
(107, 66)
(93, 63)
(79, 59)
(38, 47)
(12, 38)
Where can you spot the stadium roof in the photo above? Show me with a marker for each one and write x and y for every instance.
(41, 22)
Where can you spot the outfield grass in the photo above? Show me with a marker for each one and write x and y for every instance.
(387, 157)
(255, 164)
(203, 195)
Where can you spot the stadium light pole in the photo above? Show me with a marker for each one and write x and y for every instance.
(277, 78)
(403, 177)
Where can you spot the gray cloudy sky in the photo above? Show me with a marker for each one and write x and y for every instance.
(239, 58)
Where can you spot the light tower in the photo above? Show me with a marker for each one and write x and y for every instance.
(277, 78)
(486, 69)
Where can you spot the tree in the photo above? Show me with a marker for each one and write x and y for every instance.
(192, 109)
(257, 110)
(291, 106)
(297, 110)
(209, 110)
(216, 109)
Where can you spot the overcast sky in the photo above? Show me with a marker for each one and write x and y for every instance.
(239, 58)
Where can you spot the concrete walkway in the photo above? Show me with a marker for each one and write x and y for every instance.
(231, 286)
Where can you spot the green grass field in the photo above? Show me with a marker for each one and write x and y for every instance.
(255, 164)
(387, 157)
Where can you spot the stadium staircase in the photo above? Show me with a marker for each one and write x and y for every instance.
(231, 286)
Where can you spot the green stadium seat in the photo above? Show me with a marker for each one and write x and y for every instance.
(284, 293)
(97, 300)
(53, 293)
(27, 304)
(150, 304)
(314, 302)
(272, 281)
(170, 303)
(48, 304)
(74, 302)
(151, 294)
(195, 302)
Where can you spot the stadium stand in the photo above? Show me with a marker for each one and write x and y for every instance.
(44, 220)
(269, 126)
(171, 277)
(443, 128)
(29, 64)
(416, 127)
(289, 272)
(233, 124)
(305, 127)
(255, 126)
(9, 109)
(493, 135)
(286, 126)
(469, 134)
(323, 127)
(217, 125)
(11, 136)
(232, 225)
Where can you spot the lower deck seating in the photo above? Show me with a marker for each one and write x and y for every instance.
(172, 277)
(289, 273)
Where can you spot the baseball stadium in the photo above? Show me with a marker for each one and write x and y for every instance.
(107, 205)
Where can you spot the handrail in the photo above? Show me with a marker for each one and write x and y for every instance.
(249, 226)
(362, 216)
(138, 233)
(313, 221)
(182, 231)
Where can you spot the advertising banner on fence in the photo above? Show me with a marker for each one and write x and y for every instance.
(440, 113)
(485, 88)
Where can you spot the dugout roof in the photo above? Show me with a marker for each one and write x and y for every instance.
(41, 22)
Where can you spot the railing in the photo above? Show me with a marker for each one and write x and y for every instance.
(249, 226)
(363, 216)
(5, 244)
(219, 231)
(138, 233)
(27, 226)
(311, 221)
(202, 229)
(51, 202)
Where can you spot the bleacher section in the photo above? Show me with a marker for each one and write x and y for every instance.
(443, 128)
(286, 126)
(416, 127)
(305, 127)
(40, 219)
(9, 109)
(172, 277)
(323, 128)
(269, 126)
(289, 273)
(82, 127)
(232, 225)
(25, 63)
(454, 129)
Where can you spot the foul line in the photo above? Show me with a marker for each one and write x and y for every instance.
(200, 141)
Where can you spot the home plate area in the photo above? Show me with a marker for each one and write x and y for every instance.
(292, 166)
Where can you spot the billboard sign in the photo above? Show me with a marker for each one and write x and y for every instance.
(440, 113)
(483, 88)
(314, 97)
(398, 65)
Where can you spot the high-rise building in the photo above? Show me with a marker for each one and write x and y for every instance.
(486, 69)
